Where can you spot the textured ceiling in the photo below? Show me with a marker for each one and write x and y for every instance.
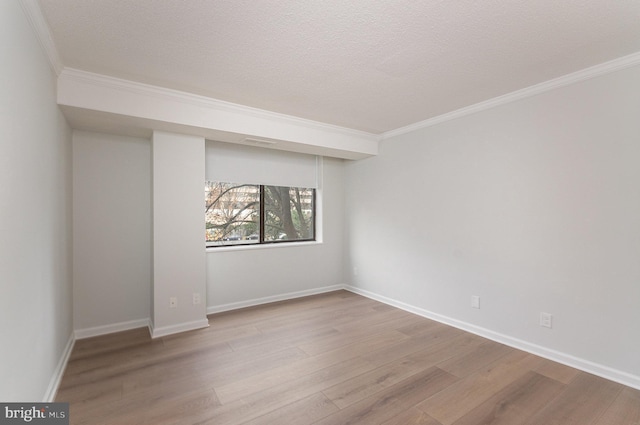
(363, 64)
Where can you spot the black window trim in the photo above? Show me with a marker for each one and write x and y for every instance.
(261, 241)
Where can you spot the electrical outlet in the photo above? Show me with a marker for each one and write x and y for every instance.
(475, 301)
(173, 302)
(546, 320)
(196, 298)
(355, 271)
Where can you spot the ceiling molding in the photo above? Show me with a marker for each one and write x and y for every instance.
(41, 28)
(207, 102)
(576, 77)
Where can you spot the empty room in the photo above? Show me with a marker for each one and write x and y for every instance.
(320, 212)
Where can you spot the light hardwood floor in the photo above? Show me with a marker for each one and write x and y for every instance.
(336, 358)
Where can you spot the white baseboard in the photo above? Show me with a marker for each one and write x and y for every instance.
(271, 299)
(181, 327)
(52, 389)
(108, 329)
(606, 372)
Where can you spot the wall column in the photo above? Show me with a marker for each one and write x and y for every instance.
(179, 257)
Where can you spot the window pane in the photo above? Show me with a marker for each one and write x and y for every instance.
(232, 213)
(289, 213)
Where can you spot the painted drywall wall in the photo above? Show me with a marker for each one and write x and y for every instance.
(35, 216)
(112, 232)
(534, 206)
(241, 277)
(179, 262)
(113, 289)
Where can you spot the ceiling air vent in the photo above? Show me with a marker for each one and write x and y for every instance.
(258, 142)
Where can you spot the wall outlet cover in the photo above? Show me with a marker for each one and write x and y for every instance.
(475, 301)
(546, 320)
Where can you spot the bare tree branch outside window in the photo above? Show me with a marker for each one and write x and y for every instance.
(234, 213)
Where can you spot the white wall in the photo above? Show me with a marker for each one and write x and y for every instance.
(533, 205)
(179, 263)
(112, 260)
(112, 232)
(35, 216)
(243, 276)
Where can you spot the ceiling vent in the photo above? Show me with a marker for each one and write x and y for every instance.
(258, 142)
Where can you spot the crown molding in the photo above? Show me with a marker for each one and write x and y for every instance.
(172, 95)
(585, 74)
(41, 28)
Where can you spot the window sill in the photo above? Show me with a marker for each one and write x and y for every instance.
(260, 246)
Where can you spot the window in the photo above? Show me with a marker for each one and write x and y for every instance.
(241, 214)
(260, 195)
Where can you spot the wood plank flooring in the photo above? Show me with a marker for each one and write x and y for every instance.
(330, 359)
